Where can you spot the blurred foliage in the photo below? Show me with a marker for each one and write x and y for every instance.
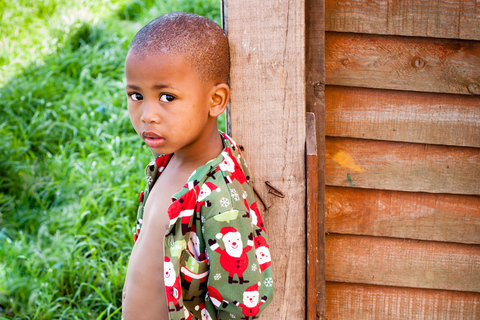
(71, 162)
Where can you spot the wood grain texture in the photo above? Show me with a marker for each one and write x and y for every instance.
(312, 217)
(412, 215)
(432, 118)
(315, 100)
(267, 42)
(368, 302)
(401, 262)
(402, 166)
(458, 19)
(402, 63)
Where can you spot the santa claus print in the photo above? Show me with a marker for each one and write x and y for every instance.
(262, 252)
(230, 164)
(204, 311)
(183, 208)
(217, 298)
(251, 306)
(205, 191)
(187, 314)
(172, 285)
(232, 143)
(255, 214)
(233, 258)
(194, 245)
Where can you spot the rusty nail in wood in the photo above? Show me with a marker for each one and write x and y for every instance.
(260, 198)
(274, 190)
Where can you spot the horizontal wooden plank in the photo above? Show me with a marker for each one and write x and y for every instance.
(401, 166)
(402, 63)
(458, 19)
(448, 119)
(412, 215)
(401, 262)
(367, 302)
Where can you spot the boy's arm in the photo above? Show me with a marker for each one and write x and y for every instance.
(239, 255)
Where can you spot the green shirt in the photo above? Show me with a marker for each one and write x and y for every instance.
(216, 253)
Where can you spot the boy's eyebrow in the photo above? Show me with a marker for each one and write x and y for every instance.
(132, 86)
(155, 86)
(161, 86)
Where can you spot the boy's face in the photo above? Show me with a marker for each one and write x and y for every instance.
(167, 103)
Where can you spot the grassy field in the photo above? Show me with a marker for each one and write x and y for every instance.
(71, 165)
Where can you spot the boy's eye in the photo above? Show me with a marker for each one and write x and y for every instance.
(167, 98)
(136, 96)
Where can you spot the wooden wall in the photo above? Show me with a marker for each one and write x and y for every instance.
(402, 164)
(267, 42)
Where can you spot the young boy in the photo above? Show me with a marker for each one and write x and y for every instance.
(200, 250)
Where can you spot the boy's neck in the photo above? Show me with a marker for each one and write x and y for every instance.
(212, 146)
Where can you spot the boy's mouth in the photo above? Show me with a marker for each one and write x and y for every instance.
(152, 139)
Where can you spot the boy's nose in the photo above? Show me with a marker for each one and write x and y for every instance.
(150, 113)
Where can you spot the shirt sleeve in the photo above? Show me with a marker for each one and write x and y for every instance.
(240, 281)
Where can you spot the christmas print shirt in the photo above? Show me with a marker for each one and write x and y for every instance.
(216, 253)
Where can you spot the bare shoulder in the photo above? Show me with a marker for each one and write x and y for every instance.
(144, 296)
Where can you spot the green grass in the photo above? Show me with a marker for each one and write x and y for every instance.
(71, 165)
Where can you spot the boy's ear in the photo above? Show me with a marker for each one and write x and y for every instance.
(220, 96)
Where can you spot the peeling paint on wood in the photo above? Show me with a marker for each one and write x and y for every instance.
(404, 166)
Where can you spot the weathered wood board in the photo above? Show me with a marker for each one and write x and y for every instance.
(312, 217)
(412, 215)
(402, 262)
(432, 118)
(368, 302)
(402, 63)
(459, 19)
(315, 101)
(402, 166)
(267, 42)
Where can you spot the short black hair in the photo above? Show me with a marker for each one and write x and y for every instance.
(200, 40)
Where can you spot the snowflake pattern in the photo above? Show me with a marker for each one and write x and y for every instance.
(235, 195)
(224, 202)
(254, 267)
(245, 194)
(232, 316)
(218, 276)
(268, 282)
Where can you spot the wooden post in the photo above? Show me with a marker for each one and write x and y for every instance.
(315, 98)
(312, 216)
(267, 42)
